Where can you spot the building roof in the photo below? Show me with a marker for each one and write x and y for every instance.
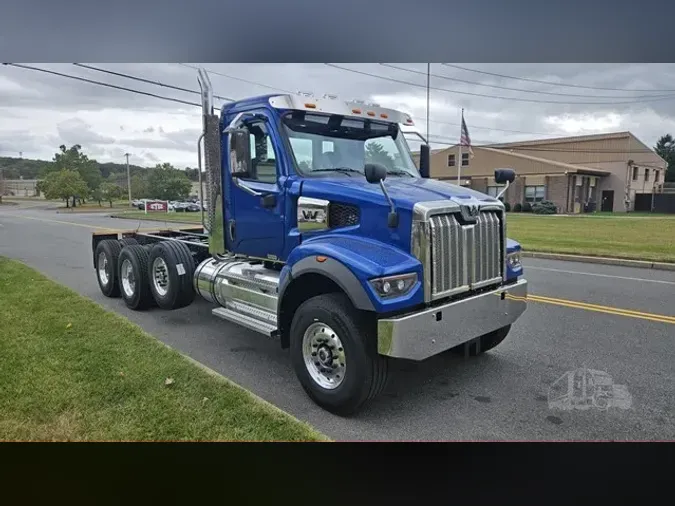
(568, 167)
(559, 140)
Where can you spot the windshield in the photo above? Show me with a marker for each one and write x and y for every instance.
(343, 145)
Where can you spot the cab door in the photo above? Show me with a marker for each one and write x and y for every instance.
(255, 200)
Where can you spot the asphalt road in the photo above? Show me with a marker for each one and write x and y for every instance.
(501, 395)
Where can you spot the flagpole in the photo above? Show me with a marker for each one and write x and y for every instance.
(459, 162)
(428, 80)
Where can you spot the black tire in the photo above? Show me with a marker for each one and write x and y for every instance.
(180, 268)
(140, 296)
(128, 241)
(110, 248)
(365, 374)
(484, 343)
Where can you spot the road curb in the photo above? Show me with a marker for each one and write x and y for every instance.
(663, 266)
(227, 380)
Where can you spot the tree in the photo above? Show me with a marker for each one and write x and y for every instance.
(665, 148)
(139, 186)
(375, 153)
(73, 159)
(168, 183)
(192, 174)
(110, 191)
(64, 184)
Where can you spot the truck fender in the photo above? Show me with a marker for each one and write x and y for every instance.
(333, 270)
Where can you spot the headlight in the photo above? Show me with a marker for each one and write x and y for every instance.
(394, 286)
(514, 260)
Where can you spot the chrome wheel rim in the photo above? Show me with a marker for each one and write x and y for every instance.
(160, 276)
(103, 268)
(128, 278)
(324, 355)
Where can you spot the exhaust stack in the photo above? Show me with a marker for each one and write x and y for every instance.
(213, 222)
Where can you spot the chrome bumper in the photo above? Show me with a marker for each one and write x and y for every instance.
(421, 335)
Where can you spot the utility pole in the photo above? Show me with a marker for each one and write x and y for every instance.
(128, 179)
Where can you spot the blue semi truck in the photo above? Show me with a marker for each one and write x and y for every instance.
(321, 231)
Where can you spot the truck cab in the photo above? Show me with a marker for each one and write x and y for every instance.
(322, 232)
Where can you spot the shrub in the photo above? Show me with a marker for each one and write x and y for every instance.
(527, 207)
(544, 207)
(517, 208)
(507, 207)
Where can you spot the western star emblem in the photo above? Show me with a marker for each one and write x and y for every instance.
(470, 212)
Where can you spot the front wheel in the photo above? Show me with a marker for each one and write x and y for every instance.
(334, 354)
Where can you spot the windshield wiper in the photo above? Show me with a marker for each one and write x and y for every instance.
(344, 170)
(399, 173)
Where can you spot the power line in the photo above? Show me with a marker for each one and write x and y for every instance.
(531, 100)
(430, 120)
(550, 83)
(474, 83)
(99, 83)
(491, 128)
(238, 79)
(156, 83)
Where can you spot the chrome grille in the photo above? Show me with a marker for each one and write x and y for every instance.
(464, 256)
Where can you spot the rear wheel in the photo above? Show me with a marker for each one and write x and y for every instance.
(483, 343)
(107, 254)
(128, 241)
(133, 277)
(334, 354)
(171, 270)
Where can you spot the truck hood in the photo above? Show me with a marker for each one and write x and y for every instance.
(405, 192)
(374, 209)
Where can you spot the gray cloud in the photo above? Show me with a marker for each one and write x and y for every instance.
(41, 111)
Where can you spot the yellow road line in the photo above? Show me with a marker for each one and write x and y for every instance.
(602, 309)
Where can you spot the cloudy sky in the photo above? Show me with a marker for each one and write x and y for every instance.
(38, 111)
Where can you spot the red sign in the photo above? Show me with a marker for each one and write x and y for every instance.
(156, 206)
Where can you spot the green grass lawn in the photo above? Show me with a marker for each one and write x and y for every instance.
(182, 217)
(633, 236)
(620, 236)
(74, 371)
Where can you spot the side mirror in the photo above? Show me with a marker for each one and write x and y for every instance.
(375, 172)
(503, 176)
(240, 152)
(425, 161)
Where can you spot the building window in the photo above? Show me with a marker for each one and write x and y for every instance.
(493, 191)
(465, 159)
(535, 193)
(635, 173)
(451, 160)
(656, 176)
(646, 174)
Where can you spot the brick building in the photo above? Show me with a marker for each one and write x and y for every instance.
(602, 172)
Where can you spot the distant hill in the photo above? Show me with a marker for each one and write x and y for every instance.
(26, 168)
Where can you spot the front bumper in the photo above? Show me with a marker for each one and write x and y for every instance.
(426, 333)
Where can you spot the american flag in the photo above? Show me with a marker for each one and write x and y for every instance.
(464, 139)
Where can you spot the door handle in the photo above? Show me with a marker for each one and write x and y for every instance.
(248, 190)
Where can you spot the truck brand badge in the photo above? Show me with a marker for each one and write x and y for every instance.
(309, 215)
(469, 212)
